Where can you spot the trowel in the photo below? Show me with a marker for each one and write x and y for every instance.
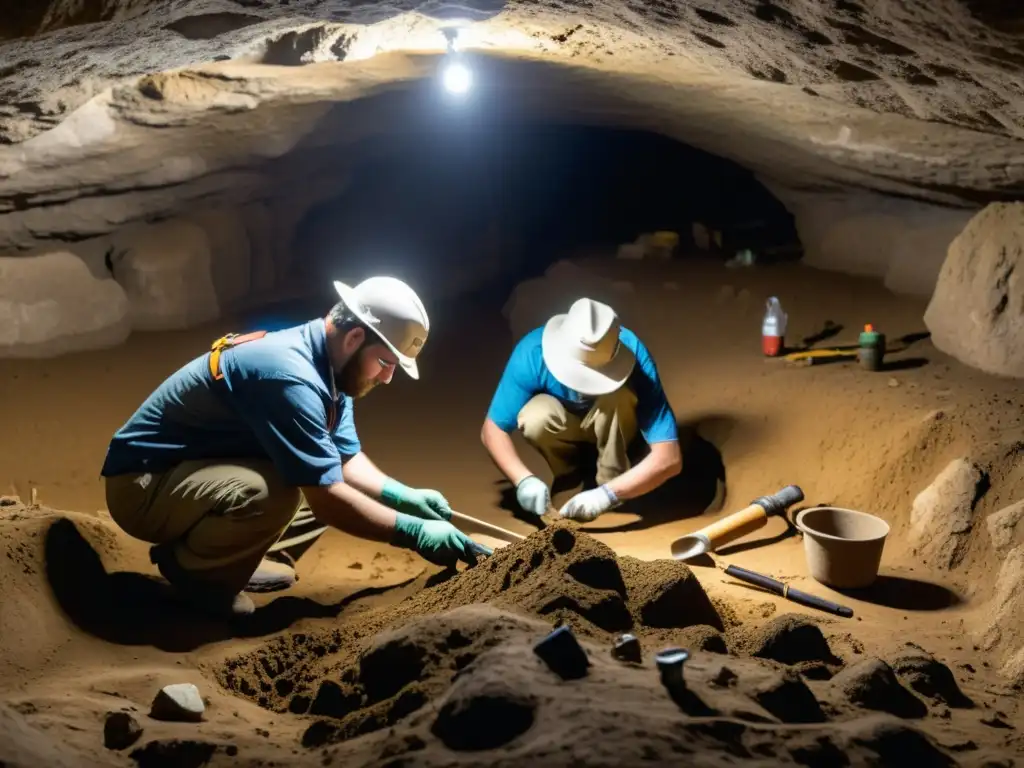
(736, 525)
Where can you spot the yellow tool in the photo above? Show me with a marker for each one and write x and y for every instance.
(736, 525)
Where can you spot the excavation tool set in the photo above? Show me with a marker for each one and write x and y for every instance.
(869, 349)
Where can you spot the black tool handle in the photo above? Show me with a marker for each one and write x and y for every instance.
(811, 601)
(759, 579)
(803, 598)
(779, 502)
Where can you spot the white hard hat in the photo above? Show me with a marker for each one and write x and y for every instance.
(393, 311)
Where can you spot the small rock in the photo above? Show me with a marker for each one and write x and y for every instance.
(627, 648)
(120, 730)
(894, 382)
(356, 566)
(180, 702)
(9, 501)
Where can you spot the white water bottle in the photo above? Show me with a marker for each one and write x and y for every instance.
(773, 328)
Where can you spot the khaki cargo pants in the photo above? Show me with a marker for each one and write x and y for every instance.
(556, 433)
(215, 519)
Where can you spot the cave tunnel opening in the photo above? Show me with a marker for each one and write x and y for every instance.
(499, 200)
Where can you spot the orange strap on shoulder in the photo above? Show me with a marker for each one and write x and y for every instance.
(233, 340)
(225, 342)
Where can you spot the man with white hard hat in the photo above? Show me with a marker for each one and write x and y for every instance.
(582, 378)
(213, 465)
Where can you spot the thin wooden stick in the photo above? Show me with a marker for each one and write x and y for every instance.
(472, 525)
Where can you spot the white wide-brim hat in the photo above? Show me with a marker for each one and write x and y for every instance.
(393, 311)
(582, 349)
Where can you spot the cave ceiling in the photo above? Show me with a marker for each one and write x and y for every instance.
(114, 111)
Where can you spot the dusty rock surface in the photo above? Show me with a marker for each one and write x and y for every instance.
(977, 311)
(130, 110)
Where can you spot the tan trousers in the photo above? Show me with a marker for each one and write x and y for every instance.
(556, 433)
(219, 518)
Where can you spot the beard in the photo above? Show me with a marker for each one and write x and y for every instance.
(350, 381)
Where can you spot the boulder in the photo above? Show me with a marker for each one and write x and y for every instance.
(977, 311)
(943, 514)
(51, 304)
(165, 271)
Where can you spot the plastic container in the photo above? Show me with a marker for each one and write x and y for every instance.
(872, 348)
(773, 328)
(843, 547)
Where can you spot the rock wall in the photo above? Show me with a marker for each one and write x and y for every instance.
(902, 242)
(50, 304)
(977, 311)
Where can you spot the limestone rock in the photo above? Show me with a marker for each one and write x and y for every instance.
(165, 270)
(903, 242)
(943, 514)
(51, 305)
(1005, 633)
(1006, 528)
(230, 254)
(259, 226)
(179, 702)
(977, 311)
(120, 730)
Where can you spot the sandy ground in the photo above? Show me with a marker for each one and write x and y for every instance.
(374, 659)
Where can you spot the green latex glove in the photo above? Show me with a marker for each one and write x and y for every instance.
(438, 541)
(424, 503)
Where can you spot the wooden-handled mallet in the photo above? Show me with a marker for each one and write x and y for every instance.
(736, 525)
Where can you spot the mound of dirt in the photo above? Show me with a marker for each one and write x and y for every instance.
(559, 574)
(452, 671)
(569, 577)
(445, 688)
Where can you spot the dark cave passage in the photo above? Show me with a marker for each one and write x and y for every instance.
(503, 200)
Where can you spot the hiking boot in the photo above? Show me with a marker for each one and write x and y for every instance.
(208, 598)
(271, 576)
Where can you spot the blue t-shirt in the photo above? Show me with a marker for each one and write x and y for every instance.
(272, 403)
(527, 375)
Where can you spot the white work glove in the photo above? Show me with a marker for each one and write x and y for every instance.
(533, 495)
(589, 505)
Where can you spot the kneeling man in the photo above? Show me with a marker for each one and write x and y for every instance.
(212, 467)
(581, 379)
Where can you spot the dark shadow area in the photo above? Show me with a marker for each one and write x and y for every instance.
(906, 594)
(906, 364)
(829, 331)
(698, 489)
(415, 205)
(135, 609)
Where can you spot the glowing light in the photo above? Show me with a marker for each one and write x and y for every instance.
(457, 78)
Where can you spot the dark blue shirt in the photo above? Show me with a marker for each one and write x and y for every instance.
(527, 375)
(273, 403)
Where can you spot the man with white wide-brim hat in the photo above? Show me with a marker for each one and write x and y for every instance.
(211, 469)
(582, 378)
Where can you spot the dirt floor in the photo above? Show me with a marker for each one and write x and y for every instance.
(376, 659)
